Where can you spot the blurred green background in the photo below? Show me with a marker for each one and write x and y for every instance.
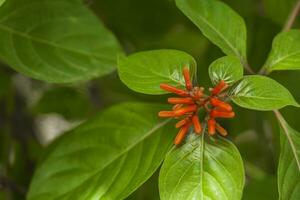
(33, 113)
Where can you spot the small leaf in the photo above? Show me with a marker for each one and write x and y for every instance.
(56, 41)
(285, 53)
(107, 157)
(261, 93)
(145, 71)
(228, 68)
(289, 163)
(209, 168)
(219, 23)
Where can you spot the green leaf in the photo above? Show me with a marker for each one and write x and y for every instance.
(228, 68)
(145, 71)
(63, 43)
(73, 104)
(285, 53)
(261, 93)
(107, 157)
(219, 23)
(289, 163)
(203, 168)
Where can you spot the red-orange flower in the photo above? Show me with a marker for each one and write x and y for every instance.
(191, 101)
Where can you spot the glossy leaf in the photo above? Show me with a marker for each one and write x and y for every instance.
(261, 93)
(55, 41)
(285, 53)
(218, 22)
(203, 168)
(289, 164)
(107, 157)
(145, 71)
(227, 68)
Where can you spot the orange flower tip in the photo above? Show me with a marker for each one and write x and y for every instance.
(187, 78)
(174, 90)
(197, 124)
(188, 109)
(181, 123)
(221, 130)
(164, 86)
(186, 100)
(211, 126)
(181, 135)
(219, 88)
(221, 114)
(166, 114)
(220, 104)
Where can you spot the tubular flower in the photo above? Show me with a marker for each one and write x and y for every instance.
(191, 101)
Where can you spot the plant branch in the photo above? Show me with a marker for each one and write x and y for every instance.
(283, 124)
(292, 17)
(263, 70)
(248, 67)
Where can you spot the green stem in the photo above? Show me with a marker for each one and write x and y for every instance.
(292, 17)
(283, 124)
(247, 67)
(263, 70)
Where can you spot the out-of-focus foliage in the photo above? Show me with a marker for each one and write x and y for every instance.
(73, 104)
(64, 43)
(146, 25)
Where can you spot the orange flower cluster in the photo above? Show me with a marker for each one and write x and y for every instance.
(191, 100)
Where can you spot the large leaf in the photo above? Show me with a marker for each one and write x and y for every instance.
(285, 53)
(289, 163)
(261, 93)
(145, 71)
(55, 41)
(210, 168)
(219, 23)
(228, 68)
(107, 157)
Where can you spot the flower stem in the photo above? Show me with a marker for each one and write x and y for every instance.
(292, 17)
